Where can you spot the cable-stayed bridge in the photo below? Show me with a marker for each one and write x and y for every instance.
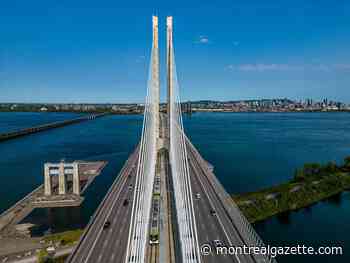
(166, 203)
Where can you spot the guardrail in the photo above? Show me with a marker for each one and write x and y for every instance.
(245, 229)
(102, 204)
(31, 130)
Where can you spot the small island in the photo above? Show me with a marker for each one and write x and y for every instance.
(312, 183)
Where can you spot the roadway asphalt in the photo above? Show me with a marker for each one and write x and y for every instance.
(100, 245)
(212, 227)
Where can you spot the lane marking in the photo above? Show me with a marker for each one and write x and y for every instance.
(99, 212)
(108, 214)
(211, 203)
(113, 231)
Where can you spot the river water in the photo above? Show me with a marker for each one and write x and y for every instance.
(19, 120)
(248, 150)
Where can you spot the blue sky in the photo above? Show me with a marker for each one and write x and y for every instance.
(98, 51)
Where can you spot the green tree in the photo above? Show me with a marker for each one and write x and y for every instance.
(299, 175)
(310, 169)
(347, 162)
(330, 168)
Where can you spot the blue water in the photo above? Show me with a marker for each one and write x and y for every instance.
(254, 150)
(111, 138)
(248, 150)
(12, 121)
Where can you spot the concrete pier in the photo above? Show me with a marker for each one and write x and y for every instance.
(61, 180)
(63, 173)
(43, 198)
(47, 181)
(76, 179)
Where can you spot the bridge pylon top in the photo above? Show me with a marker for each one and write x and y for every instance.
(169, 21)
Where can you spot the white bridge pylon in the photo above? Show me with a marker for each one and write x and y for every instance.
(186, 220)
(142, 199)
(140, 217)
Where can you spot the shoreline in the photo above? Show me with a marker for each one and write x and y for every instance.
(135, 112)
(310, 185)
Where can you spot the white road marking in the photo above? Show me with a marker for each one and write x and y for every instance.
(108, 214)
(217, 216)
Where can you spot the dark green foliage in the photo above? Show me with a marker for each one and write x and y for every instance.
(329, 168)
(65, 238)
(312, 183)
(347, 162)
(315, 171)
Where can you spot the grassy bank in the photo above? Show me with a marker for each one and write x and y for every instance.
(310, 184)
(64, 238)
(43, 257)
(67, 238)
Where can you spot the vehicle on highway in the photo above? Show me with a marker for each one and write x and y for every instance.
(154, 226)
(218, 243)
(212, 212)
(126, 202)
(154, 231)
(154, 239)
(106, 224)
(198, 195)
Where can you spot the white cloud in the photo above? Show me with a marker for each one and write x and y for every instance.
(342, 66)
(203, 40)
(260, 67)
(321, 67)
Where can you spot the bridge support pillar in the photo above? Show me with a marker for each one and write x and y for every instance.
(47, 181)
(76, 179)
(61, 180)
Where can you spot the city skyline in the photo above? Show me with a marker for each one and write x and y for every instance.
(98, 53)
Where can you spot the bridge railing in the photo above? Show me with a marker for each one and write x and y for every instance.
(245, 229)
(125, 170)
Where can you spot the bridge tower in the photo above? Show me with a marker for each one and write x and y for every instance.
(169, 43)
(155, 72)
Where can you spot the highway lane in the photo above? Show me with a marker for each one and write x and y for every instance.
(112, 243)
(208, 226)
(98, 244)
(223, 225)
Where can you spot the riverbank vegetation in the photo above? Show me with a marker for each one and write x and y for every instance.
(312, 183)
(64, 238)
(67, 238)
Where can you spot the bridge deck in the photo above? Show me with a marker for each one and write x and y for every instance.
(109, 245)
(212, 227)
